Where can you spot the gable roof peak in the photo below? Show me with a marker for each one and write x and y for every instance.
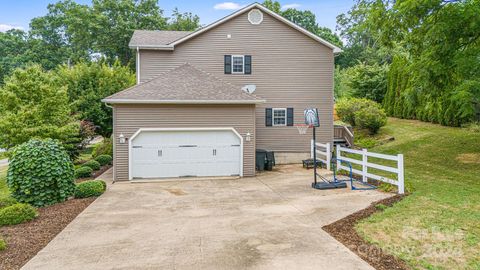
(171, 45)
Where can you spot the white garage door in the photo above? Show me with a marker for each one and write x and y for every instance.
(160, 154)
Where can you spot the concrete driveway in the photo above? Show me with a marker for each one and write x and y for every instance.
(272, 221)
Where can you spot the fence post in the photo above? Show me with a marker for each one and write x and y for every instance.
(401, 176)
(364, 165)
(312, 148)
(338, 158)
(329, 156)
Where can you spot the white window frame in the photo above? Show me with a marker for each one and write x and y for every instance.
(243, 64)
(273, 117)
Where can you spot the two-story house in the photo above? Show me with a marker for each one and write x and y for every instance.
(205, 100)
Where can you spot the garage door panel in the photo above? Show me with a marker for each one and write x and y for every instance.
(159, 154)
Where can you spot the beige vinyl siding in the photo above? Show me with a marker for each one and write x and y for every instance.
(129, 118)
(289, 69)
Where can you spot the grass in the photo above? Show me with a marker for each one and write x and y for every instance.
(438, 225)
(3, 185)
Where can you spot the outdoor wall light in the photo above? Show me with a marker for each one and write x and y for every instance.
(122, 138)
(248, 137)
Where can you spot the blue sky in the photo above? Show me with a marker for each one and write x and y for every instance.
(18, 13)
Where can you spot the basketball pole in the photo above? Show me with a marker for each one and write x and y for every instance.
(314, 158)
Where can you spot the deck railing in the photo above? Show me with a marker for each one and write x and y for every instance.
(343, 133)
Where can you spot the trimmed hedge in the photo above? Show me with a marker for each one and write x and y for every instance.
(83, 172)
(90, 189)
(371, 118)
(17, 213)
(3, 245)
(95, 165)
(40, 173)
(7, 201)
(104, 159)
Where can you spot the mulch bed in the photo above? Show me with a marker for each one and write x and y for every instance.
(25, 240)
(344, 231)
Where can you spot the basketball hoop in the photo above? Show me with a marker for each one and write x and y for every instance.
(302, 128)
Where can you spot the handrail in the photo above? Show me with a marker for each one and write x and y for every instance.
(345, 133)
(348, 131)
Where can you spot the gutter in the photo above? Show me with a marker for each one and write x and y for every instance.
(146, 101)
(152, 47)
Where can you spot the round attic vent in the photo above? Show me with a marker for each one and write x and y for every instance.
(255, 16)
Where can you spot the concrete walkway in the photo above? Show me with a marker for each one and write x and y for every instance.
(272, 221)
(3, 163)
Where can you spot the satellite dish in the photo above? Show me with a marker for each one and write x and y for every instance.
(249, 88)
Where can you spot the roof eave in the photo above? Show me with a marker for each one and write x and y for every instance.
(152, 101)
(152, 47)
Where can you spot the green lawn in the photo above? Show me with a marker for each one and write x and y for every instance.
(438, 225)
(3, 185)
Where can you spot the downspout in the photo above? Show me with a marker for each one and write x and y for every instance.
(111, 107)
(138, 65)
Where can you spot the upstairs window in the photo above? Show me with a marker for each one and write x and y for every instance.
(237, 64)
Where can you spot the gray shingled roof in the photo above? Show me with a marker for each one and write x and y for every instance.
(184, 84)
(147, 37)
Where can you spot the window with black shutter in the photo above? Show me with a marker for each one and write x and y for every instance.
(228, 64)
(279, 117)
(238, 64)
(289, 116)
(268, 117)
(248, 64)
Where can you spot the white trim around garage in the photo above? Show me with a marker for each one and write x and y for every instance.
(140, 130)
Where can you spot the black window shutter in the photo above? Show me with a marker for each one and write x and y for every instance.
(248, 64)
(228, 64)
(289, 116)
(268, 117)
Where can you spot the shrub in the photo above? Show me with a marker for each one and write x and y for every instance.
(95, 165)
(17, 213)
(83, 172)
(7, 201)
(371, 118)
(104, 148)
(90, 189)
(104, 159)
(3, 245)
(40, 173)
(346, 108)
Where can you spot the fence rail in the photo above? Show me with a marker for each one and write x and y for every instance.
(399, 170)
(323, 151)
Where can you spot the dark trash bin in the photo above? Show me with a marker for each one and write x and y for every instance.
(271, 158)
(260, 159)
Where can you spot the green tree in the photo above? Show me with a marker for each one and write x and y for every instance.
(77, 31)
(183, 21)
(32, 105)
(440, 41)
(88, 83)
(368, 81)
(305, 19)
(361, 35)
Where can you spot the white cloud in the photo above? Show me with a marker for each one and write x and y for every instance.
(6, 27)
(294, 5)
(227, 6)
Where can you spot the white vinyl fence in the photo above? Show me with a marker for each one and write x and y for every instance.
(399, 170)
(323, 151)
